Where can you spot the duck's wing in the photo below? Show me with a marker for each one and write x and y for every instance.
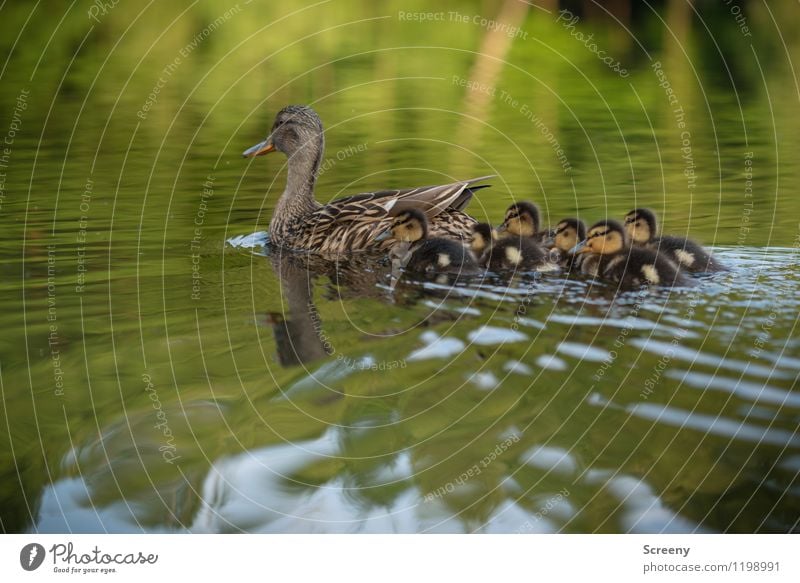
(431, 200)
(353, 210)
(354, 222)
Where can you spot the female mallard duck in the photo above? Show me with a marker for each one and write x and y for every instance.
(413, 249)
(522, 219)
(351, 223)
(612, 258)
(565, 236)
(641, 226)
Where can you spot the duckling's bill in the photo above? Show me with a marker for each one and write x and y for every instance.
(580, 247)
(384, 235)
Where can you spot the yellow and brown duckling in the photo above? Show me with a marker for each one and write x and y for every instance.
(483, 237)
(414, 250)
(511, 253)
(642, 227)
(564, 237)
(523, 219)
(611, 257)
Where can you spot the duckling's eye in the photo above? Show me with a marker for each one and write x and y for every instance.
(408, 226)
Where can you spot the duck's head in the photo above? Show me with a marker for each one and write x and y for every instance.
(522, 220)
(567, 234)
(409, 226)
(482, 237)
(297, 129)
(603, 238)
(640, 225)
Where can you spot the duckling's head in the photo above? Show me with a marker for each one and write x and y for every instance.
(640, 225)
(409, 226)
(297, 130)
(603, 238)
(568, 233)
(522, 219)
(483, 235)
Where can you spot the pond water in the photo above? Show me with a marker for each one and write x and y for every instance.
(163, 370)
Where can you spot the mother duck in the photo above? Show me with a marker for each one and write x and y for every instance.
(351, 223)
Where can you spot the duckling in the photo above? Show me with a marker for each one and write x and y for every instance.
(565, 236)
(516, 253)
(522, 219)
(616, 260)
(641, 227)
(483, 237)
(420, 254)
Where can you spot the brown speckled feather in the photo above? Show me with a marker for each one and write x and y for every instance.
(352, 223)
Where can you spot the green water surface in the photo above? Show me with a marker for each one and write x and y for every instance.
(161, 371)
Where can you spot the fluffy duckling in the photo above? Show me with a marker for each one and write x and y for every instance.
(611, 257)
(483, 237)
(565, 236)
(641, 227)
(522, 219)
(517, 254)
(418, 253)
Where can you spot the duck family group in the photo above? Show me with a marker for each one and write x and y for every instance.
(426, 229)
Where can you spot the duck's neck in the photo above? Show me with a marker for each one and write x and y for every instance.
(298, 196)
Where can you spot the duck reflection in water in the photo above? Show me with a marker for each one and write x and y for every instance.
(298, 329)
